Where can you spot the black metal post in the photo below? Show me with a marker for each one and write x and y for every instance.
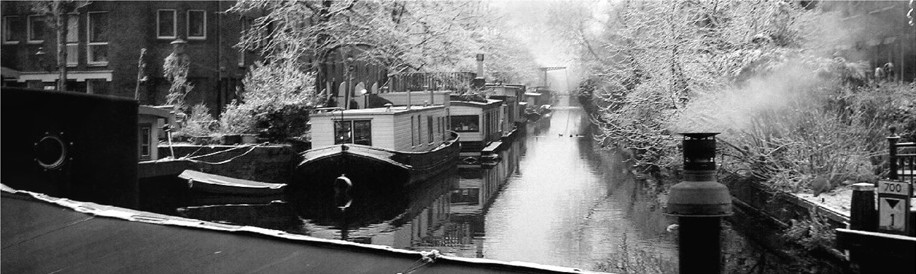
(863, 215)
(699, 202)
(699, 248)
(892, 155)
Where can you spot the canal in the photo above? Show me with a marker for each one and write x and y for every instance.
(552, 198)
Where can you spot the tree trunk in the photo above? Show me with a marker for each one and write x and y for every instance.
(60, 23)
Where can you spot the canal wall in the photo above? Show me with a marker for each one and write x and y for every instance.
(781, 223)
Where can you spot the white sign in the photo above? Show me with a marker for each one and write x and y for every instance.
(898, 188)
(891, 214)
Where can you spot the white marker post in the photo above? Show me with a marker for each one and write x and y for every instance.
(894, 206)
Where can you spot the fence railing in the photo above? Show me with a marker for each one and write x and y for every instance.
(902, 159)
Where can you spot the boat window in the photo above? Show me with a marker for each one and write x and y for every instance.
(412, 142)
(429, 127)
(488, 129)
(361, 133)
(145, 142)
(342, 132)
(465, 123)
(419, 132)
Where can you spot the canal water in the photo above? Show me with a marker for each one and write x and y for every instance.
(552, 198)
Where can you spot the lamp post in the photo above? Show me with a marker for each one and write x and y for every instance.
(348, 63)
(699, 202)
(42, 56)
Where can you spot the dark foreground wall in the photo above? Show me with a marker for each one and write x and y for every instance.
(43, 237)
(72, 145)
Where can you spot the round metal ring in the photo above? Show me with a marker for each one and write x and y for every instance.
(50, 152)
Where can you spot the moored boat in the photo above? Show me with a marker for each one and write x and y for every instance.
(217, 184)
(400, 144)
(478, 124)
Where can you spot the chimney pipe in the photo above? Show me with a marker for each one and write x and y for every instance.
(699, 202)
(479, 81)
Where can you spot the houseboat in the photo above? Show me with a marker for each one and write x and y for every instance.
(396, 144)
(512, 114)
(477, 123)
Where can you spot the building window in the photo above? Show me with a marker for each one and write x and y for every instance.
(12, 27)
(353, 132)
(167, 26)
(36, 28)
(73, 40)
(246, 23)
(145, 142)
(97, 31)
(465, 123)
(429, 127)
(197, 25)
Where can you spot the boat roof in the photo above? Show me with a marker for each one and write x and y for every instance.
(208, 178)
(86, 237)
(378, 111)
(153, 111)
(475, 103)
(532, 94)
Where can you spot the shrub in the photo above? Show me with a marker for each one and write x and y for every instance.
(199, 123)
(276, 103)
(237, 119)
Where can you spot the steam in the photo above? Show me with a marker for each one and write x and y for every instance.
(733, 110)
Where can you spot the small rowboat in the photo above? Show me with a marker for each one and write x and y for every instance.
(217, 184)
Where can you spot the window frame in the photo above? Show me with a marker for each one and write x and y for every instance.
(28, 30)
(429, 129)
(174, 24)
(8, 29)
(477, 122)
(146, 132)
(68, 43)
(351, 133)
(188, 25)
(90, 43)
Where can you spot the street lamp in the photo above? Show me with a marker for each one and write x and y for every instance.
(349, 64)
(43, 59)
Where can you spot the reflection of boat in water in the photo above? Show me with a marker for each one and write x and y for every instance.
(211, 183)
(275, 215)
(374, 208)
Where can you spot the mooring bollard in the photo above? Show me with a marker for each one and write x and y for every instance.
(862, 215)
(699, 202)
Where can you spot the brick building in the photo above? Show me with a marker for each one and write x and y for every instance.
(876, 32)
(104, 43)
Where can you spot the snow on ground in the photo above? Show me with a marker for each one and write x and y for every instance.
(838, 200)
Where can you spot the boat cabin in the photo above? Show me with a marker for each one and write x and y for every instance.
(399, 128)
(513, 111)
(477, 123)
(150, 121)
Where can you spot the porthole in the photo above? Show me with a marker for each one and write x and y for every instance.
(50, 152)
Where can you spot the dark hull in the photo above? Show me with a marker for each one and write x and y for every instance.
(364, 163)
